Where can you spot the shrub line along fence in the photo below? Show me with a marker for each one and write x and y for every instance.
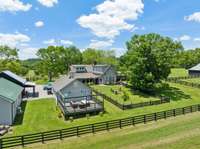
(42, 137)
(131, 105)
(180, 80)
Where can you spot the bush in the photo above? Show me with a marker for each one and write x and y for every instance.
(101, 114)
(88, 116)
(59, 115)
(71, 118)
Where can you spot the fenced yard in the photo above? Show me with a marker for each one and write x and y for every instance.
(42, 115)
(93, 128)
(116, 92)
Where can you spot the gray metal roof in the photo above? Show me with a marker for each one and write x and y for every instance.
(9, 91)
(14, 76)
(62, 82)
(196, 68)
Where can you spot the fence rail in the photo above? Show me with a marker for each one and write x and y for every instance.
(131, 105)
(43, 137)
(183, 78)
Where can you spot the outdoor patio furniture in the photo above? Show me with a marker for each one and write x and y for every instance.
(85, 102)
(81, 105)
(74, 104)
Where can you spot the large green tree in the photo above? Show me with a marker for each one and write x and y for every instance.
(9, 59)
(149, 59)
(56, 60)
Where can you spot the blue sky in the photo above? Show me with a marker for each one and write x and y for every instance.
(105, 24)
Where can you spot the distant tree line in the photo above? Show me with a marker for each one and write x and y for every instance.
(147, 61)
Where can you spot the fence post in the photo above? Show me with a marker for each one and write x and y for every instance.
(1, 143)
(144, 119)
(190, 109)
(107, 127)
(77, 131)
(133, 121)
(42, 135)
(120, 124)
(60, 134)
(155, 116)
(22, 140)
(174, 112)
(93, 131)
(184, 111)
(198, 107)
(165, 114)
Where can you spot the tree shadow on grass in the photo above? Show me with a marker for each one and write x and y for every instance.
(164, 90)
(173, 93)
(19, 117)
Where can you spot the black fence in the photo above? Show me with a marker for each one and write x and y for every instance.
(132, 105)
(43, 137)
(183, 78)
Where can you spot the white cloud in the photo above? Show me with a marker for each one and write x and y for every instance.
(48, 3)
(196, 39)
(39, 24)
(111, 17)
(100, 44)
(13, 39)
(119, 51)
(184, 38)
(54, 42)
(28, 52)
(193, 17)
(66, 42)
(14, 5)
(50, 42)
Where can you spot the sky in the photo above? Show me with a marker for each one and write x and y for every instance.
(103, 24)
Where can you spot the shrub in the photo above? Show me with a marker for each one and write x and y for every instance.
(71, 118)
(125, 96)
(88, 116)
(101, 114)
(59, 115)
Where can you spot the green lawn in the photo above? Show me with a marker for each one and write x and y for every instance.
(181, 132)
(134, 97)
(178, 72)
(41, 115)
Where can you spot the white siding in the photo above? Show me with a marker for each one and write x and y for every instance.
(109, 77)
(5, 112)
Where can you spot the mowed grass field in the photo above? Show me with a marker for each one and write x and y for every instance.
(134, 97)
(178, 72)
(41, 115)
(182, 132)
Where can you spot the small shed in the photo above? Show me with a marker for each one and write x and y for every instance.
(194, 71)
(10, 100)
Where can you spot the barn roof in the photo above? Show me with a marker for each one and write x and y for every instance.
(9, 91)
(196, 68)
(13, 77)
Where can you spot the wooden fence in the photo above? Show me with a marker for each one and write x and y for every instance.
(131, 105)
(183, 78)
(43, 137)
(180, 80)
